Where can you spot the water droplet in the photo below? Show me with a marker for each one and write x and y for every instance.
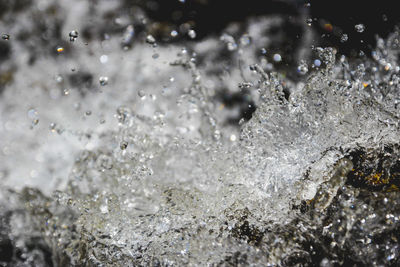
(53, 126)
(174, 33)
(32, 113)
(263, 51)
(66, 91)
(217, 134)
(192, 34)
(59, 78)
(60, 49)
(88, 113)
(5, 36)
(302, 68)
(344, 38)
(123, 145)
(128, 36)
(229, 41)
(232, 46)
(155, 55)
(141, 93)
(359, 27)
(309, 21)
(245, 40)
(277, 58)
(150, 39)
(73, 35)
(103, 80)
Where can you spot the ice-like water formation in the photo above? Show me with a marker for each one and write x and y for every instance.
(116, 150)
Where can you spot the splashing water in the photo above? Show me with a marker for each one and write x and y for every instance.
(154, 175)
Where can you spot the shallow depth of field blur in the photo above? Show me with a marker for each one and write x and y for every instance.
(199, 133)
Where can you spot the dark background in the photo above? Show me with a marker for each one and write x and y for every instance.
(212, 16)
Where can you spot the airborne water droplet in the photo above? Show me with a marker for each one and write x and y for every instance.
(32, 113)
(73, 35)
(245, 40)
(302, 68)
(359, 27)
(5, 36)
(344, 38)
(277, 58)
(174, 33)
(192, 34)
(103, 80)
(53, 126)
(123, 145)
(150, 39)
(263, 51)
(141, 93)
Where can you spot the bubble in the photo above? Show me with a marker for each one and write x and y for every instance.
(277, 58)
(155, 55)
(66, 91)
(60, 49)
(88, 113)
(192, 34)
(359, 27)
(5, 36)
(73, 35)
(317, 62)
(309, 21)
(344, 38)
(103, 80)
(150, 39)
